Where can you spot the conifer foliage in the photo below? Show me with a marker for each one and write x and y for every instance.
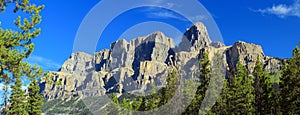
(148, 103)
(35, 100)
(204, 78)
(263, 89)
(17, 99)
(241, 97)
(290, 85)
(15, 46)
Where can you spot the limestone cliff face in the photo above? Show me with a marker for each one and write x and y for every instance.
(246, 53)
(273, 64)
(75, 78)
(134, 65)
(126, 66)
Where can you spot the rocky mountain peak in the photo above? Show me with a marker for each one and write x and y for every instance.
(133, 65)
(195, 38)
(157, 37)
(119, 43)
(199, 25)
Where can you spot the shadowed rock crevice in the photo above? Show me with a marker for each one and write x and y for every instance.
(142, 53)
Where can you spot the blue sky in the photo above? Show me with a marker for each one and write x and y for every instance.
(274, 24)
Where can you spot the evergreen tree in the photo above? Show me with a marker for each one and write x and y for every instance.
(275, 98)
(204, 77)
(290, 85)
(241, 97)
(218, 81)
(168, 92)
(113, 106)
(221, 106)
(16, 45)
(125, 107)
(5, 90)
(153, 98)
(263, 89)
(143, 104)
(148, 103)
(17, 99)
(136, 103)
(189, 91)
(35, 100)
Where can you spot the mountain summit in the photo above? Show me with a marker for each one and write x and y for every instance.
(195, 38)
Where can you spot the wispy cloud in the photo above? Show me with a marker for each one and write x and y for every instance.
(283, 10)
(164, 15)
(164, 3)
(169, 14)
(169, 5)
(45, 63)
(197, 18)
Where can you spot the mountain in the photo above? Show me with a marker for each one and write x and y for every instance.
(132, 66)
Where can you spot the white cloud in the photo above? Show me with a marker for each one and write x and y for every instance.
(171, 15)
(157, 1)
(169, 5)
(283, 10)
(161, 13)
(165, 15)
(197, 18)
(46, 64)
(164, 3)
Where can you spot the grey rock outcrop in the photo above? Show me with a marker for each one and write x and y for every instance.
(217, 44)
(273, 64)
(126, 66)
(246, 53)
(75, 78)
(132, 66)
(195, 38)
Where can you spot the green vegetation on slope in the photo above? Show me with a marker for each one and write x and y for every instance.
(72, 106)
